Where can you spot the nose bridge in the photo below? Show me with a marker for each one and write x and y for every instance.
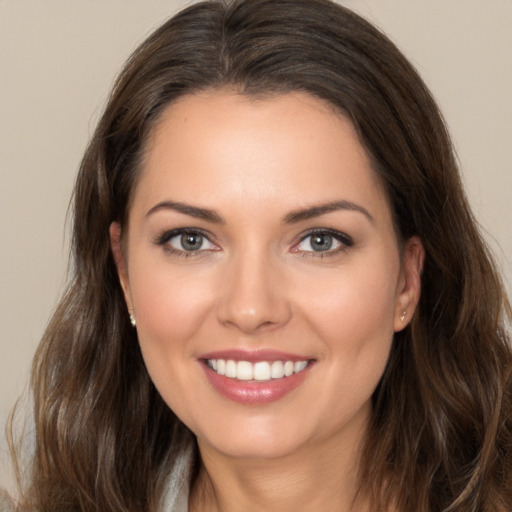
(253, 297)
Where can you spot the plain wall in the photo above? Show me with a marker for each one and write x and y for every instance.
(58, 60)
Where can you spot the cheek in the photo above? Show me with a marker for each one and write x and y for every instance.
(353, 318)
(353, 314)
(356, 300)
(170, 309)
(170, 306)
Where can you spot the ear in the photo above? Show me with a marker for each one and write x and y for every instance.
(116, 244)
(409, 288)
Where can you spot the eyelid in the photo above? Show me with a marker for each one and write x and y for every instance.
(346, 241)
(163, 239)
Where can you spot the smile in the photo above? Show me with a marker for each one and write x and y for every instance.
(260, 371)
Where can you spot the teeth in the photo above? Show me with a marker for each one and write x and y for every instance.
(299, 366)
(231, 369)
(260, 371)
(277, 370)
(244, 370)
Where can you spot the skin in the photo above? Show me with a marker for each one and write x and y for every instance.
(257, 283)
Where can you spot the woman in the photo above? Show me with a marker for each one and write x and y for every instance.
(280, 298)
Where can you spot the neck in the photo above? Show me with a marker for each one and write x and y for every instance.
(323, 476)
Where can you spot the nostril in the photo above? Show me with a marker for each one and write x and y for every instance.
(250, 299)
(253, 320)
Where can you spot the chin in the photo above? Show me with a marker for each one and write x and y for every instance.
(253, 438)
(267, 449)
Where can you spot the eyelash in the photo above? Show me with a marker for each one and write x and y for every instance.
(164, 238)
(345, 242)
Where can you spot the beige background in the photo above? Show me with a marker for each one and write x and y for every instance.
(58, 59)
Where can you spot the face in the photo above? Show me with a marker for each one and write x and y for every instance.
(262, 266)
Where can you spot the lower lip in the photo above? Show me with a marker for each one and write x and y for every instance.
(255, 392)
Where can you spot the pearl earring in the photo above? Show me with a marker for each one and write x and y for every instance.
(403, 315)
(133, 321)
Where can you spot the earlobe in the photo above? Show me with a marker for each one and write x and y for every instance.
(410, 282)
(116, 246)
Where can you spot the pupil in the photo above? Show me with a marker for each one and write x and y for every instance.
(191, 241)
(321, 242)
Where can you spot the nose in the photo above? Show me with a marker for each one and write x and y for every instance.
(253, 297)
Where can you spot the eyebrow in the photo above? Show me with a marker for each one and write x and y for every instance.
(187, 209)
(316, 211)
(292, 218)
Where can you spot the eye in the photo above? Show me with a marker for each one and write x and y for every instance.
(186, 241)
(323, 241)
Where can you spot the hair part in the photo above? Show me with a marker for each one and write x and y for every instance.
(441, 431)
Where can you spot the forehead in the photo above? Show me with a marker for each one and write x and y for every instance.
(220, 145)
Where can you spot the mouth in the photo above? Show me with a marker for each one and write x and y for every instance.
(260, 371)
(255, 377)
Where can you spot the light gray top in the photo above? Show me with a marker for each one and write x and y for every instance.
(178, 487)
(176, 496)
(7, 506)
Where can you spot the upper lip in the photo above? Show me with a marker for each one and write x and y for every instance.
(254, 356)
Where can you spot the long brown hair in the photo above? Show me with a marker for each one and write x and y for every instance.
(440, 437)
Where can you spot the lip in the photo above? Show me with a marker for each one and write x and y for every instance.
(251, 392)
(254, 356)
